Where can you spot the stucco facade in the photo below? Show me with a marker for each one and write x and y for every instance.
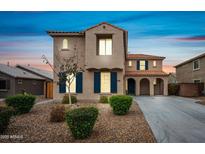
(185, 72)
(86, 44)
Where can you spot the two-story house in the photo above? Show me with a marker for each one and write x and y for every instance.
(192, 70)
(108, 68)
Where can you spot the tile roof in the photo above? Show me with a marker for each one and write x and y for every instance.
(64, 33)
(106, 24)
(145, 73)
(17, 72)
(143, 56)
(43, 73)
(190, 60)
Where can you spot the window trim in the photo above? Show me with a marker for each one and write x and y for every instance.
(195, 69)
(104, 37)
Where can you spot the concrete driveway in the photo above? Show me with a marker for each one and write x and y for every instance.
(174, 119)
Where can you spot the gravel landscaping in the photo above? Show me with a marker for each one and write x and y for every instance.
(201, 98)
(36, 127)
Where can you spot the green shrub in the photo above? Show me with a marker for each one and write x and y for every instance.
(66, 99)
(57, 113)
(173, 89)
(21, 103)
(103, 99)
(120, 104)
(81, 121)
(5, 115)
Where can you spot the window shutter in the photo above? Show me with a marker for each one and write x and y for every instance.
(79, 82)
(138, 65)
(146, 65)
(96, 82)
(113, 82)
(62, 84)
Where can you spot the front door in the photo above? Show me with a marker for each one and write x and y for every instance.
(131, 86)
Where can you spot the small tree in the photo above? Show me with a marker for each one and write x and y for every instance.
(69, 67)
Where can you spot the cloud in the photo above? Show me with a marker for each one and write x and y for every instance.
(192, 38)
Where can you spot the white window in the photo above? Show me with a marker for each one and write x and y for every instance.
(105, 82)
(105, 46)
(154, 63)
(142, 64)
(196, 65)
(197, 81)
(65, 44)
(73, 84)
(129, 63)
(19, 81)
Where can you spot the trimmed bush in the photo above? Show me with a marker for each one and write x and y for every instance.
(5, 115)
(81, 121)
(21, 103)
(173, 89)
(120, 104)
(103, 99)
(66, 99)
(57, 113)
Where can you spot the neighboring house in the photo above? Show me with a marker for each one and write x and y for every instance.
(48, 76)
(192, 70)
(15, 80)
(108, 68)
(144, 75)
(172, 78)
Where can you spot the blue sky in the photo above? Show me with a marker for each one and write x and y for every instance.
(176, 35)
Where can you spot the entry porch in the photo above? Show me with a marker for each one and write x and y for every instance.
(146, 85)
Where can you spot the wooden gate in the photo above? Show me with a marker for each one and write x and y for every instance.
(49, 90)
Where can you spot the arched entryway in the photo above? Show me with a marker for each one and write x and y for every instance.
(131, 86)
(144, 87)
(159, 87)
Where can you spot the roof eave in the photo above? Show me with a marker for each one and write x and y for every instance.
(58, 33)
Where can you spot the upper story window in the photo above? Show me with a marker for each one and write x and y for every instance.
(65, 43)
(196, 65)
(142, 65)
(129, 63)
(154, 63)
(105, 46)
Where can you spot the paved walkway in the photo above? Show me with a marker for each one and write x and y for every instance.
(174, 119)
(45, 101)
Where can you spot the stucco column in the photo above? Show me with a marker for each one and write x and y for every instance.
(137, 86)
(126, 85)
(151, 86)
(166, 86)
